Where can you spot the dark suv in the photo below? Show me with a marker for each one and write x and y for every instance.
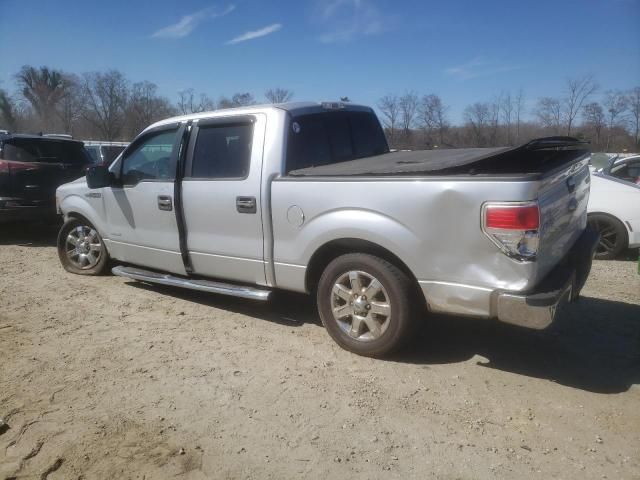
(31, 168)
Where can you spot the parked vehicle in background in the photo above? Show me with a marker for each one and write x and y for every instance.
(614, 206)
(104, 153)
(307, 197)
(31, 168)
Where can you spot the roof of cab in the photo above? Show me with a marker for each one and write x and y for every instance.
(293, 108)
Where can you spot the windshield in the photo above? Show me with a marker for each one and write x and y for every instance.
(45, 150)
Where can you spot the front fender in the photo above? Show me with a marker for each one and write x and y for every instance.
(87, 204)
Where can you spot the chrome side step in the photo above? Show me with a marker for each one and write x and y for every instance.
(201, 285)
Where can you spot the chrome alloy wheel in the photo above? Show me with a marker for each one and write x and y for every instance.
(360, 306)
(83, 247)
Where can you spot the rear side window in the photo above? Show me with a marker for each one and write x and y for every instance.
(222, 151)
(332, 137)
(47, 151)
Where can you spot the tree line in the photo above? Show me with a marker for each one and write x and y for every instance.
(422, 121)
(108, 106)
(102, 105)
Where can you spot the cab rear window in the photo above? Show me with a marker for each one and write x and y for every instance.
(332, 137)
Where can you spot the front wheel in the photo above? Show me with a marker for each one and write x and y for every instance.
(81, 249)
(613, 236)
(366, 304)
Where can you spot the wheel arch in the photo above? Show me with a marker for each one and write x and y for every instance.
(342, 246)
(615, 218)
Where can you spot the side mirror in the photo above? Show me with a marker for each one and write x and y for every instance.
(98, 176)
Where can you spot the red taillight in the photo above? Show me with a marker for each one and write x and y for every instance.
(4, 167)
(517, 217)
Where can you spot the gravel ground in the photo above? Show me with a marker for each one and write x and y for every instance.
(107, 378)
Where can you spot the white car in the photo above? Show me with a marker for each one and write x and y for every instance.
(614, 206)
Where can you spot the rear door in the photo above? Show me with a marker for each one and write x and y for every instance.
(140, 209)
(222, 199)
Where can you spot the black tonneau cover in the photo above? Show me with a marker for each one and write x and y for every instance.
(535, 156)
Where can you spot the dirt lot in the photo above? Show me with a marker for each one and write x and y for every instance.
(106, 378)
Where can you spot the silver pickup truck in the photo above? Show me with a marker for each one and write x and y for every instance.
(307, 197)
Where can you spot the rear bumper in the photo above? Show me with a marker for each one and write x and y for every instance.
(537, 308)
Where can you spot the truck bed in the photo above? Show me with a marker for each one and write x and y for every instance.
(536, 157)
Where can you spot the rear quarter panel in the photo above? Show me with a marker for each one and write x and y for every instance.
(432, 225)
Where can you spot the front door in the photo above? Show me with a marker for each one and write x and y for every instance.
(221, 197)
(140, 210)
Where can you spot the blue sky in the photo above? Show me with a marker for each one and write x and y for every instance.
(463, 50)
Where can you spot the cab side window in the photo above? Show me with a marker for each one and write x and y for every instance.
(151, 159)
(222, 151)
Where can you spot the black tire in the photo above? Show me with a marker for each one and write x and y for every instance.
(613, 235)
(397, 296)
(96, 262)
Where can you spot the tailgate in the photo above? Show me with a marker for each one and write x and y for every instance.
(562, 198)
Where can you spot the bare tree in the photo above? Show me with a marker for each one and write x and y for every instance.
(594, 119)
(633, 98)
(432, 115)
(578, 90)
(408, 111)
(106, 99)
(145, 106)
(390, 109)
(8, 115)
(237, 100)
(615, 104)
(477, 118)
(43, 88)
(188, 103)
(507, 110)
(278, 95)
(242, 99)
(494, 122)
(519, 106)
(69, 109)
(549, 113)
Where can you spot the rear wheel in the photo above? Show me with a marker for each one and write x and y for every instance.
(366, 304)
(81, 249)
(613, 236)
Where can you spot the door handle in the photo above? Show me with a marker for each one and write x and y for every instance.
(164, 202)
(246, 204)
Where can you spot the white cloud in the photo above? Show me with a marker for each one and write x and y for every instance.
(478, 67)
(188, 23)
(268, 30)
(348, 19)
